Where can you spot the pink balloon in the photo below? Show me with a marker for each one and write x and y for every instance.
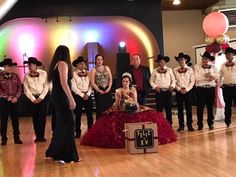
(215, 24)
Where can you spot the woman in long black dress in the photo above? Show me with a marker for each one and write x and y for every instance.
(62, 146)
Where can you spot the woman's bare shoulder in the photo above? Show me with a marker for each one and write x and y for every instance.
(133, 88)
(119, 89)
(107, 67)
(62, 66)
(61, 63)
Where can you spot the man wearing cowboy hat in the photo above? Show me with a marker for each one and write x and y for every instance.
(185, 81)
(82, 89)
(163, 82)
(36, 88)
(206, 75)
(228, 82)
(10, 91)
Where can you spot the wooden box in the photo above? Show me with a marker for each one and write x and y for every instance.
(141, 137)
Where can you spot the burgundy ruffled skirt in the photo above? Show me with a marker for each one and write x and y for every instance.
(108, 131)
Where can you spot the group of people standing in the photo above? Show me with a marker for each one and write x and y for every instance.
(204, 77)
(35, 89)
(71, 91)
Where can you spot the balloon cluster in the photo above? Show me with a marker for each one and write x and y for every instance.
(215, 25)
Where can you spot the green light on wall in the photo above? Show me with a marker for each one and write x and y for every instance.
(4, 38)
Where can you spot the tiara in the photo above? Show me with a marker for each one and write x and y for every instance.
(127, 74)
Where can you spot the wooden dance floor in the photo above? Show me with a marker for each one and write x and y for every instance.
(195, 154)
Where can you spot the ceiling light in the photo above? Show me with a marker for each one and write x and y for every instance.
(176, 2)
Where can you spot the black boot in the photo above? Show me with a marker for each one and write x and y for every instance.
(180, 129)
(17, 140)
(211, 127)
(190, 128)
(200, 127)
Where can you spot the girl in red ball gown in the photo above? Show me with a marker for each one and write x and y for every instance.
(108, 130)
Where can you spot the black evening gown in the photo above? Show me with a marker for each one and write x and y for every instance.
(62, 145)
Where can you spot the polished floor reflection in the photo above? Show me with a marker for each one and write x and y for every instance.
(196, 154)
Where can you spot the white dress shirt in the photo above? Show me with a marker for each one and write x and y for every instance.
(36, 85)
(184, 78)
(228, 74)
(162, 80)
(81, 85)
(200, 75)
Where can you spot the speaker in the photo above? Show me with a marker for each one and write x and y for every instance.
(122, 64)
(92, 51)
(122, 60)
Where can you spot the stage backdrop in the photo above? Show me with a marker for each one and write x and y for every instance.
(25, 37)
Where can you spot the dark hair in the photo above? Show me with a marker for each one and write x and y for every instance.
(136, 54)
(97, 57)
(130, 80)
(62, 53)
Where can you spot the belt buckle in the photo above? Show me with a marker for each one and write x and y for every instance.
(231, 85)
(207, 86)
(164, 89)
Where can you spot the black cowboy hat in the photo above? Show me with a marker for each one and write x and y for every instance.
(7, 61)
(33, 60)
(208, 55)
(78, 60)
(160, 57)
(185, 56)
(230, 50)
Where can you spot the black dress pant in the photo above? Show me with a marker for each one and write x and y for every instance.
(205, 96)
(164, 100)
(181, 100)
(141, 98)
(39, 112)
(8, 108)
(88, 106)
(229, 94)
